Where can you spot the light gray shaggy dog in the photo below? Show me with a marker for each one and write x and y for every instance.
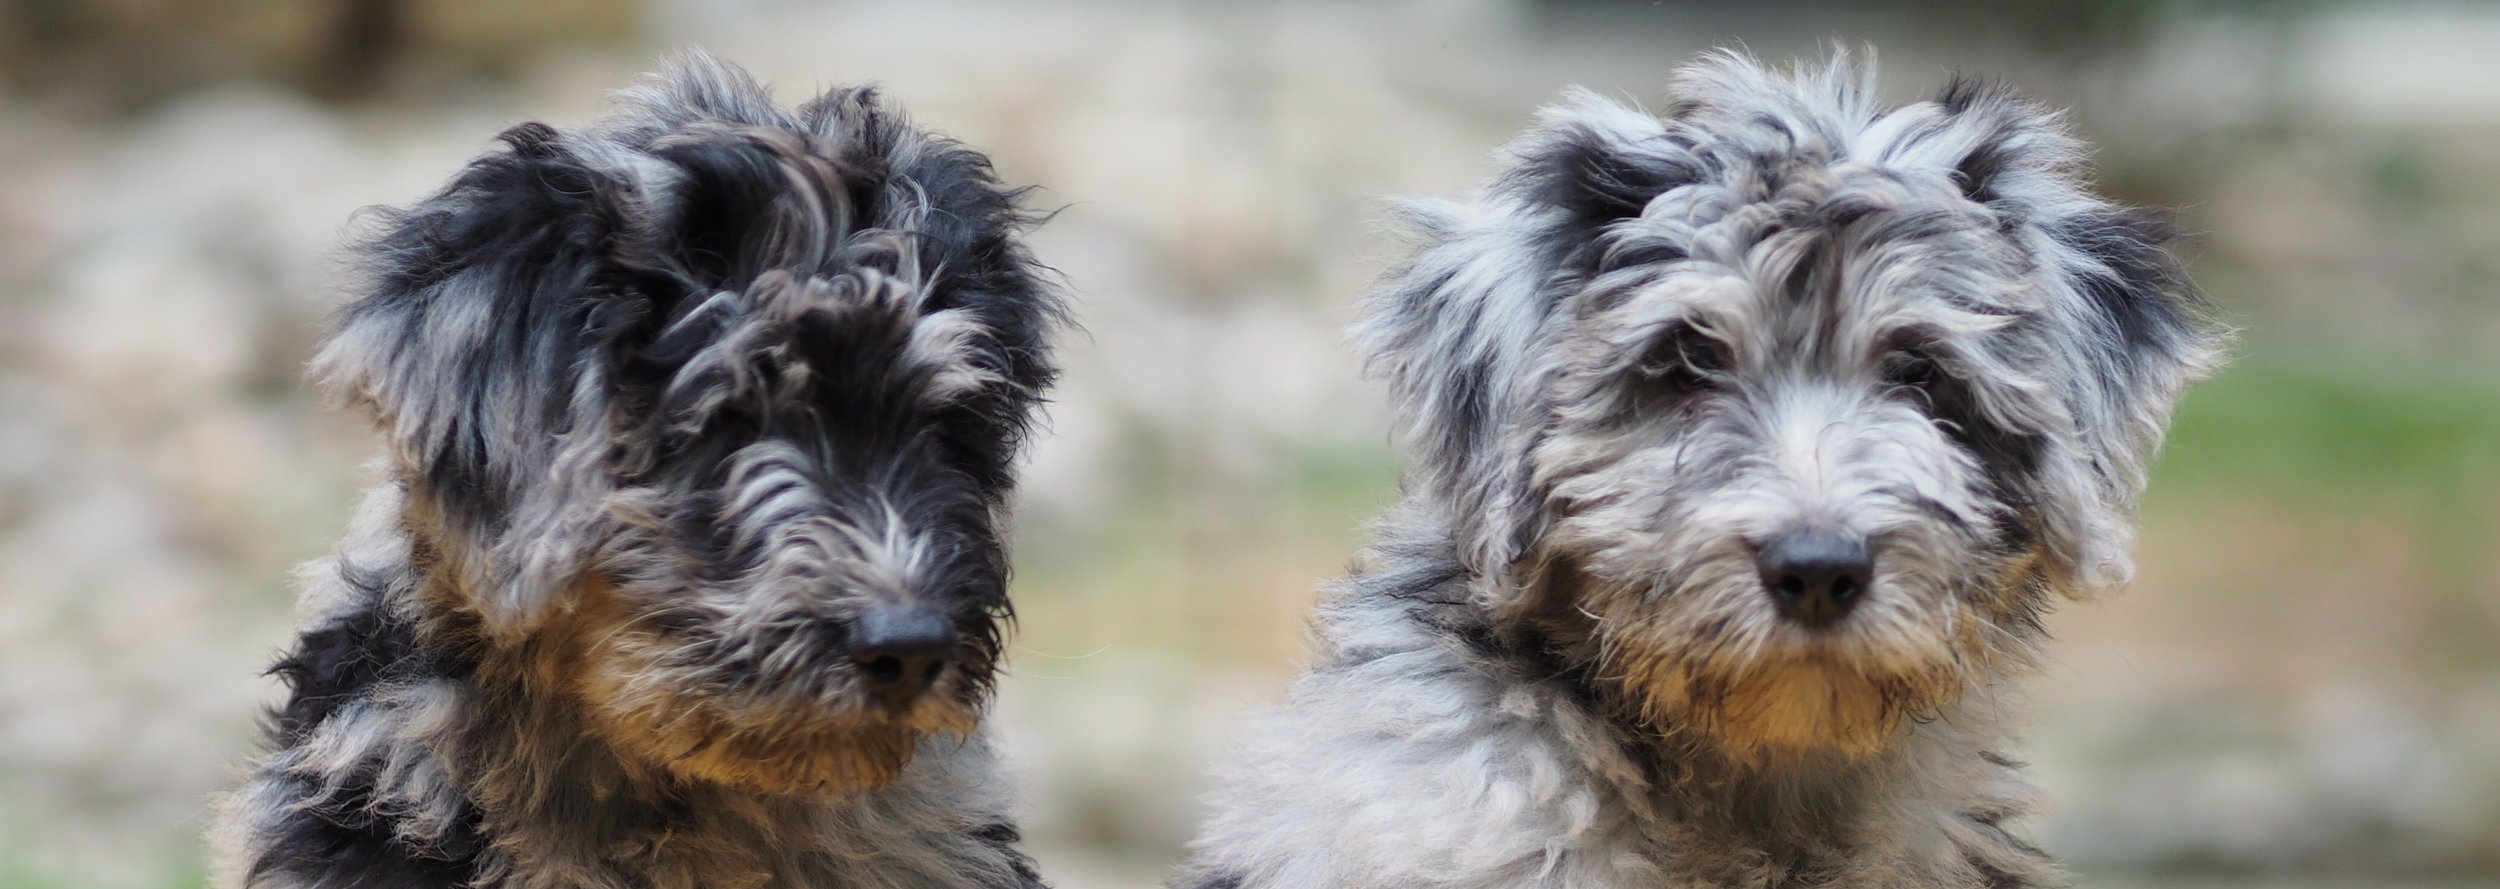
(688, 571)
(1751, 442)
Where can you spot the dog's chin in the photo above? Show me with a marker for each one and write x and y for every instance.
(1720, 669)
(784, 751)
(1796, 707)
(836, 763)
(1819, 701)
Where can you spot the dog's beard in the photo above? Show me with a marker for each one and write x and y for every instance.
(1751, 709)
(703, 741)
(1698, 651)
(827, 739)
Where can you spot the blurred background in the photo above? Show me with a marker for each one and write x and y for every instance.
(2302, 690)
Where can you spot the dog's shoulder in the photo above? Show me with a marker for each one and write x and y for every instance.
(1413, 748)
(351, 792)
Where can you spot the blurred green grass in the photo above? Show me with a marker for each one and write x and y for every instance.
(174, 872)
(2390, 437)
(2333, 430)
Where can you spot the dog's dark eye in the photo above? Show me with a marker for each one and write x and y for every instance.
(1684, 360)
(1913, 368)
(1913, 371)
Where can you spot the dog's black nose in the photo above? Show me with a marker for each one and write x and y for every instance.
(901, 650)
(1816, 575)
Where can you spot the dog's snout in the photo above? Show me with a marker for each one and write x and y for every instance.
(901, 650)
(1816, 576)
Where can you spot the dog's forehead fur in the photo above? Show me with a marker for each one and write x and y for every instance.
(1837, 230)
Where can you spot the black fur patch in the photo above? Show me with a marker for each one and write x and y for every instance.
(333, 665)
(1593, 183)
(1213, 881)
(344, 841)
(2012, 457)
(2145, 296)
(2150, 316)
(343, 844)
(1993, 877)
(1962, 91)
(1977, 172)
(1005, 837)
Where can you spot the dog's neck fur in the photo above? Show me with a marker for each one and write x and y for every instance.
(454, 764)
(1813, 815)
(1926, 811)
(1816, 818)
(584, 815)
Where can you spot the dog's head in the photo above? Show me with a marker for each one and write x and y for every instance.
(712, 409)
(1792, 412)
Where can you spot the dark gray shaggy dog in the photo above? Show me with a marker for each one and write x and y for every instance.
(702, 421)
(1752, 441)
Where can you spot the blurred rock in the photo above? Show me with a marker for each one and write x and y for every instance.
(127, 53)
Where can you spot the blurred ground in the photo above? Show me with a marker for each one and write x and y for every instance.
(2303, 689)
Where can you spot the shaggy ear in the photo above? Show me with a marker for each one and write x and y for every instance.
(1988, 115)
(1592, 161)
(2141, 332)
(1457, 330)
(1450, 330)
(2147, 333)
(480, 347)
